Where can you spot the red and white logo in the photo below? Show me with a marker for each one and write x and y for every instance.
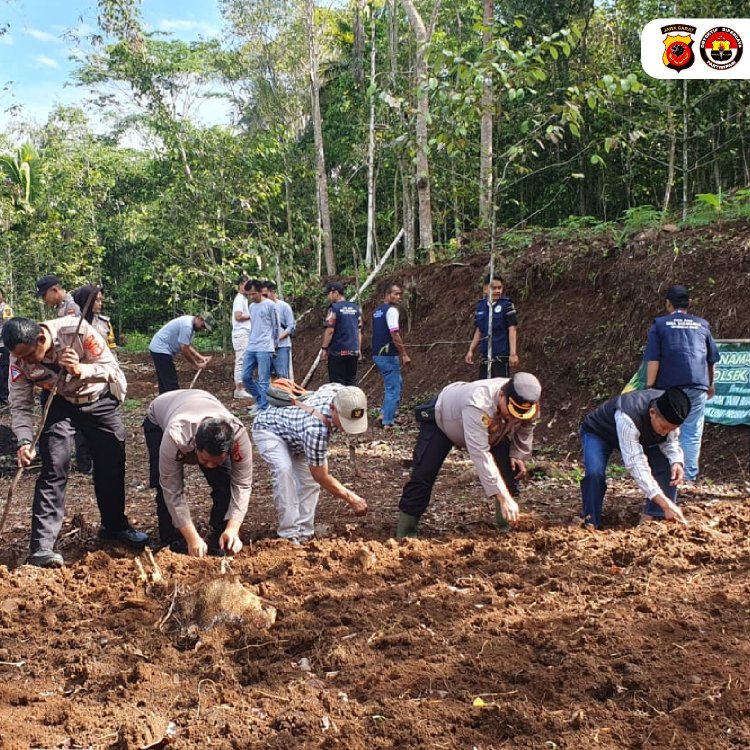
(721, 48)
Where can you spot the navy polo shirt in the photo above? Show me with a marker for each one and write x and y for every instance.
(344, 317)
(684, 347)
(503, 317)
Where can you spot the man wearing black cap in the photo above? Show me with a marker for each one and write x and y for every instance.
(643, 426)
(681, 352)
(51, 291)
(342, 340)
(494, 420)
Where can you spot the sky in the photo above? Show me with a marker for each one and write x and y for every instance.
(35, 51)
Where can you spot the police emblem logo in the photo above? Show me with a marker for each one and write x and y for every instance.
(678, 46)
(721, 48)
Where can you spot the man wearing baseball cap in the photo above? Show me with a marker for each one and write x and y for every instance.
(643, 426)
(293, 440)
(50, 289)
(494, 420)
(682, 353)
(342, 339)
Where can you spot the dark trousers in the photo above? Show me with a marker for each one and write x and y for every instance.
(102, 426)
(4, 370)
(218, 479)
(342, 369)
(430, 451)
(83, 454)
(596, 453)
(500, 368)
(166, 372)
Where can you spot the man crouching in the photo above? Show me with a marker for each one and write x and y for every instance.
(494, 420)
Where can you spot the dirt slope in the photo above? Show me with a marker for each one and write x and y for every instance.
(551, 637)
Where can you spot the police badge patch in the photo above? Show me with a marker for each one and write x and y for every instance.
(678, 46)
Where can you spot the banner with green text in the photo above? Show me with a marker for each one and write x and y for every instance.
(731, 402)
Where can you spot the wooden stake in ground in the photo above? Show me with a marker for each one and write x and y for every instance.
(64, 374)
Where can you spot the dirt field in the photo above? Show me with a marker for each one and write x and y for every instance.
(550, 637)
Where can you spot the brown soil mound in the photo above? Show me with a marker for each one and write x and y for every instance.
(550, 637)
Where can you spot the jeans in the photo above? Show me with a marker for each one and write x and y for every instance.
(596, 453)
(257, 388)
(282, 361)
(691, 431)
(295, 492)
(390, 369)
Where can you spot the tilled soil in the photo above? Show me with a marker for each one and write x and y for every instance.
(549, 637)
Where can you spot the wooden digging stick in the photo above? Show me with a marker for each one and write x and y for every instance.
(195, 377)
(53, 392)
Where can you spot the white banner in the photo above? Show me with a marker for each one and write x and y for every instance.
(680, 48)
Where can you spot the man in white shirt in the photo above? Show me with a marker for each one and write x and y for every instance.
(644, 427)
(240, 334)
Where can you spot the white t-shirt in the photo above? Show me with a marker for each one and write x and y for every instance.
(240, 305)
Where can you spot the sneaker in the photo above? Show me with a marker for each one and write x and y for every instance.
(242, 394)
(252, 410)
(45, 558)
(127, 536)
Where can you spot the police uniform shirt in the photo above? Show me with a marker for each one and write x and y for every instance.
(172, 336)
(100, 371)
(67, 306)
(466, 412)
(179, 414)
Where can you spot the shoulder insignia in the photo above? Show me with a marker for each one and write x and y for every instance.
(92, 346)
(236, 453)
(486, 421)
(15, 373)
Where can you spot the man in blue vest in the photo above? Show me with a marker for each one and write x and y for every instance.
(342, 340)
(389, 352)
(681, 353)
(504, 332)
(643, 426)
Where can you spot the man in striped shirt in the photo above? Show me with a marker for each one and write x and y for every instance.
(644, 427)
(293, 441)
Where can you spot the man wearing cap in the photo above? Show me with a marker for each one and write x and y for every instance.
(193, 427)
(681, 352)
(175, 338)
(342, 340)
(50, 290)
(91, 387)
(494, 420)
(389, 352)
(643, 426)
(293, 441)
(261, 345)
(240, 334)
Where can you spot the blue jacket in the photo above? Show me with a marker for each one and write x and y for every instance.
(503, 317)
(684, 347)
(344, 317)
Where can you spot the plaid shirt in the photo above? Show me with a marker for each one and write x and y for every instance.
(303, 432)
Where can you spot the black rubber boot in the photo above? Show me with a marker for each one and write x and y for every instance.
(407, 526)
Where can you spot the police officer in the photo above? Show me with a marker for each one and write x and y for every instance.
(101, 323)
(52, 293)
(504, 332)
(342, 340)
(193, 427)
(91, 387)
(682, 353)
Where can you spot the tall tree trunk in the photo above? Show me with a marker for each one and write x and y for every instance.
(358, 52)
(672, 159)
(320, 175)
(685, 136)
(371, 154)
(423, 113)
(485, 127)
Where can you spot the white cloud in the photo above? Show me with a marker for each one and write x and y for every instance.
(46, 62)
(42, 36)
(181, 26)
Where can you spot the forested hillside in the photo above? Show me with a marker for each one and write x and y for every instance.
(449, 118)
